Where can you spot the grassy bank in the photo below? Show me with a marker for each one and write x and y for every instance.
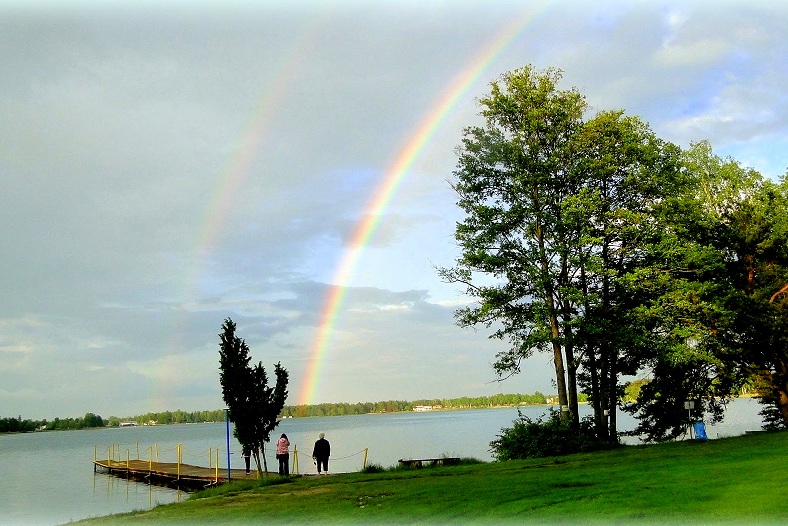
(740, 480)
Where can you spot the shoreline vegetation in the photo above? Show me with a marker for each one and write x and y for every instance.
(92, 421)
(735, 480)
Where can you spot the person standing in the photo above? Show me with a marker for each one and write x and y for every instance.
(283, 455)
(320, 453)
(247, 452)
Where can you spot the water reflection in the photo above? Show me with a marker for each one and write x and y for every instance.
(111, 486)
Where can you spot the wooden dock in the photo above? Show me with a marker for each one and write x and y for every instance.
(183, 476)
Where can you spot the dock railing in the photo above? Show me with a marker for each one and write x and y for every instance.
(121, 461)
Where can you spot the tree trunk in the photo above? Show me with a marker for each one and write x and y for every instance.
(569, 349)
(571, 370)
(560, 377)
(555, 329)
(600, 424)
(599, 404)
(612, 397)
(558, 361)
(781, 391)
(783, 404)
(261, 470)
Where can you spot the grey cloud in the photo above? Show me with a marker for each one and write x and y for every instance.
(165, 166)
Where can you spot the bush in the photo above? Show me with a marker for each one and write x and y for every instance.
(373, 468)
(545, 438)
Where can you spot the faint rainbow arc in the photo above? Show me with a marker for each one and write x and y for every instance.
(234, 172)
(384, 193)
(231, 178)
(237, 169)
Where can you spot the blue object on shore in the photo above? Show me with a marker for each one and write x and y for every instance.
(700, 431)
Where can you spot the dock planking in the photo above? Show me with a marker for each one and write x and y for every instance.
(184, 476)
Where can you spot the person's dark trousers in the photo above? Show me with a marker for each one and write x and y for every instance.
(284, 464)
(322, 465)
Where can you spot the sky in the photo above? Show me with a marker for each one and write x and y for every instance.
(166, 165)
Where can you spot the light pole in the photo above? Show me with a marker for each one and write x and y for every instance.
(689, 405)
(227, 425)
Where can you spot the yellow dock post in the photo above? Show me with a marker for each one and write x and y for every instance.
(364, 466)
(295, 460)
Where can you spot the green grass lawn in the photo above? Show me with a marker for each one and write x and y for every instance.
(741, 480)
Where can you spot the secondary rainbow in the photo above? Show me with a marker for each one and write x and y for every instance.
(385, 191)
(231, 179)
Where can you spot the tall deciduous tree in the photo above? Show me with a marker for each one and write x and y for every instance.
(556, 208)
(629, 180)
(253, 405)
(513, 176)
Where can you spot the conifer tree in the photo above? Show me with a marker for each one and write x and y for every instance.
(253, 405)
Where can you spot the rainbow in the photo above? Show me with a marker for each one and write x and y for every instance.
(385, 191)
(232, 177)
(237, 169)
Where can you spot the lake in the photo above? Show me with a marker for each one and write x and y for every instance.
(48, 478)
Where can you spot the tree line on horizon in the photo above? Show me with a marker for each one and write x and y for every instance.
(393, 406)
(18, 425)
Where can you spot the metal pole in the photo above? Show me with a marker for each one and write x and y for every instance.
(227, 422)
(689, 405)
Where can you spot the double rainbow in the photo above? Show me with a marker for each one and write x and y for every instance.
(385, 191)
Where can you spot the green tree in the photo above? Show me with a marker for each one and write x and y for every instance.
(92, 420)
(627, 178)
(710, 298)
(556, 208)
(253, 405)
(677, 291)
(755, 255)
(512, 177)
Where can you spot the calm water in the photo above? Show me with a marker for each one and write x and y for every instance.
(47, 478)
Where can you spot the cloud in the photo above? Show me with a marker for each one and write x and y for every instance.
(168, 165)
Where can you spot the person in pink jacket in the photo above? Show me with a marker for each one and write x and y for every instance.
(283, 455)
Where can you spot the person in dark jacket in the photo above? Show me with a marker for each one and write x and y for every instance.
(247, 452)
(320, 454)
